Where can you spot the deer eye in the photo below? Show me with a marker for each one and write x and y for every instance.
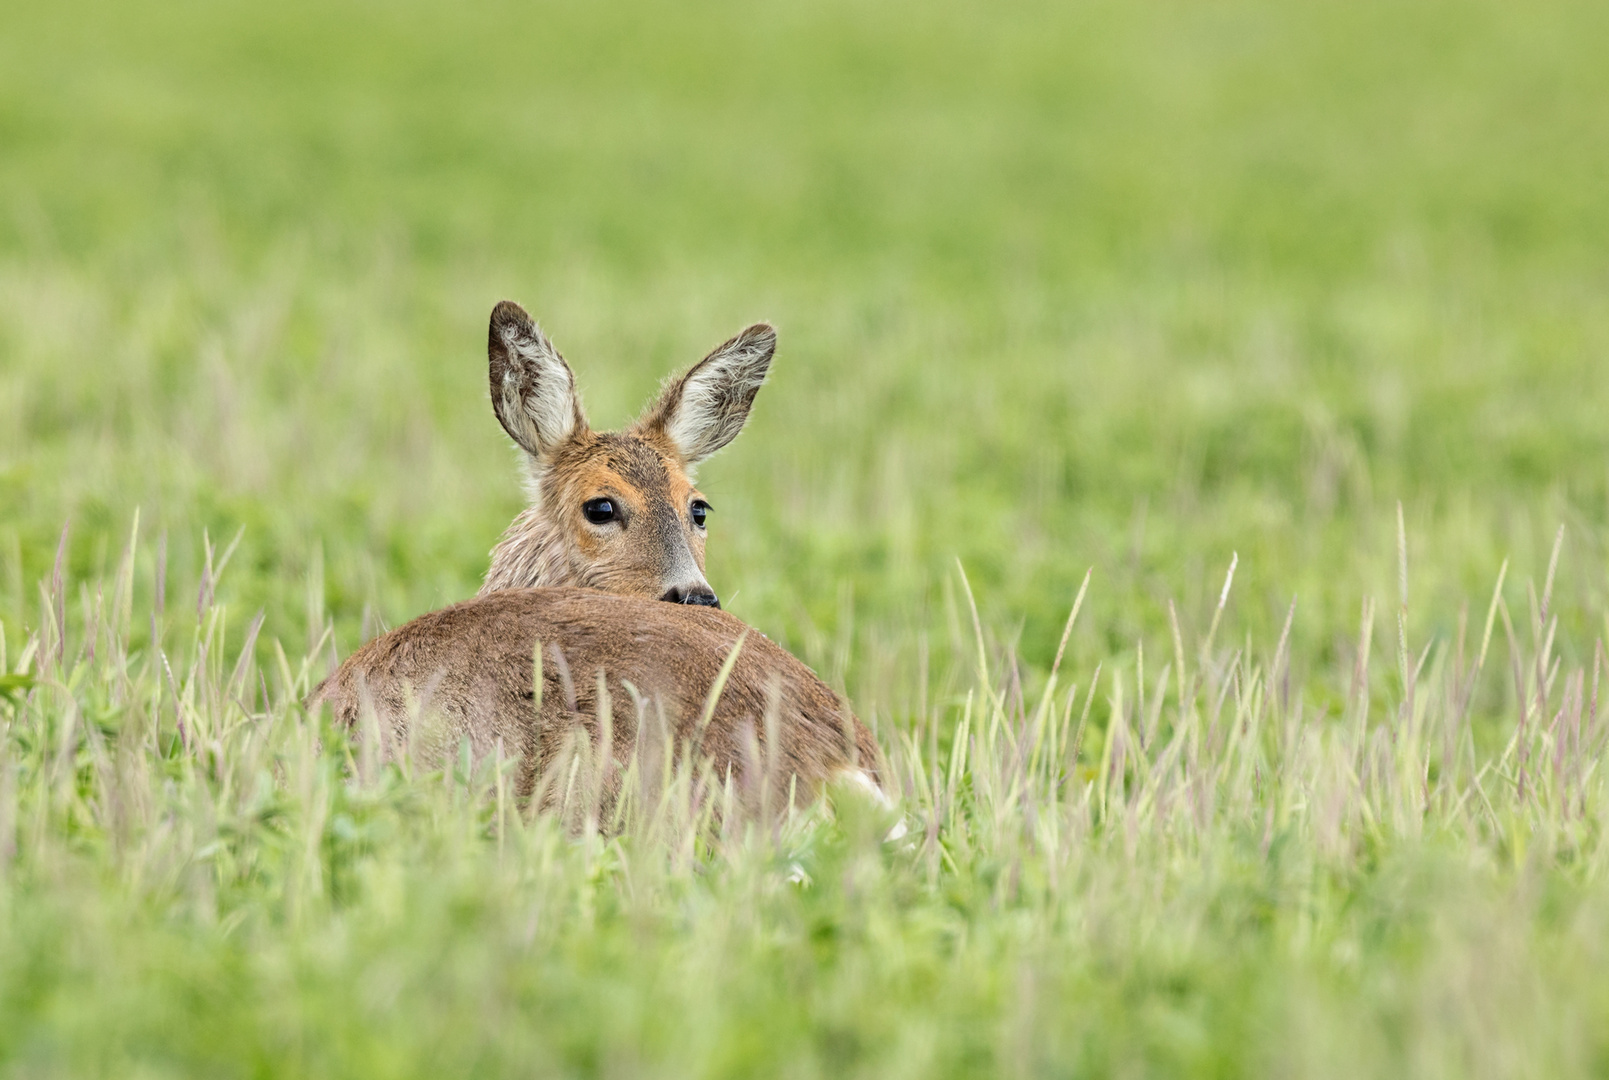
(700, 510)
(599, 511)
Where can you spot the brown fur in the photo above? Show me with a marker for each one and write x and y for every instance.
(468, 671)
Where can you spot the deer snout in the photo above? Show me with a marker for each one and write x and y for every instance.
(700, 594)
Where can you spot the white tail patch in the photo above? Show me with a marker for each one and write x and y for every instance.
(858, 780)
(862, 781)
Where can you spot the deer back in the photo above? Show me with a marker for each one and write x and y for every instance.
(634, 667)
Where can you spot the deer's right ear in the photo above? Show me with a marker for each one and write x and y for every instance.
(533, 389)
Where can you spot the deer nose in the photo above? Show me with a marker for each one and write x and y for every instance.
(701, 595)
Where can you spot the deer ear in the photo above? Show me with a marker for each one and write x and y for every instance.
(706, 408)
(533, 389)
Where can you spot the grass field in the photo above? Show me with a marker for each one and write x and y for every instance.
(1319, 292)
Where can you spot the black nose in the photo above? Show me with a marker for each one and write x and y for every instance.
(696, 594)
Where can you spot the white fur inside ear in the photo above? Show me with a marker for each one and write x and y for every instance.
(536, 400)
(717, 394)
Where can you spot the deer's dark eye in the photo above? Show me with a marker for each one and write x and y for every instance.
(599, 511)
(700, 510)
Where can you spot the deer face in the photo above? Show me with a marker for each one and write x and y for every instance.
(634, 519)
(616, 511)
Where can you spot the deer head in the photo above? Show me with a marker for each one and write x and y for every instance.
(614, 510)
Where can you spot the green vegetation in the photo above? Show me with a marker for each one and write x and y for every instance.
(1138, 288)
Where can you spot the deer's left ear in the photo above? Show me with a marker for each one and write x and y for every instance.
(705, 409)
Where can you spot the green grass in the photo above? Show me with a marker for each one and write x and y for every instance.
(1140, 289)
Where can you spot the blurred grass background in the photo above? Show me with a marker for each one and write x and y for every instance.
(1059, 286)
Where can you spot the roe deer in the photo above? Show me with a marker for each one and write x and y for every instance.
(611, 513)
(608, 664)
(616, 511)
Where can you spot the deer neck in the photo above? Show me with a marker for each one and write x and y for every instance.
(531, 554)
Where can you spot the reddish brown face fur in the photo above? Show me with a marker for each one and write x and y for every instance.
(616, 511)
(652, 547)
